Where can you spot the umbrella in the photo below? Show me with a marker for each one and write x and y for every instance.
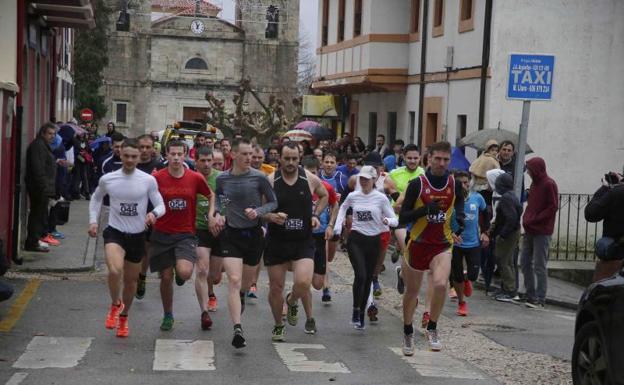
(318, 132)
(298, 135)
(478, 139)
(98, 142)
(305, 124)
(458, 160)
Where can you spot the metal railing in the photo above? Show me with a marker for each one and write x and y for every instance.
(574, 238)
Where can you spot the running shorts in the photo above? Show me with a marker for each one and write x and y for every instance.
(132, 244)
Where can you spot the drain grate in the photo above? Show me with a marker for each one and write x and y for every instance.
(491, 327)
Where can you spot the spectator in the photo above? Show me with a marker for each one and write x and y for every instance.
(607, 205)
(307, 149)
(6, 290)
(539, 223)
(110, 129)
(484, 163)
(40, 184)
(360, 147)
(395, 159)
(83, 161)
(380, 146)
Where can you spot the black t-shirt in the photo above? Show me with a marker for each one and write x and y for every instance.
(296, 201)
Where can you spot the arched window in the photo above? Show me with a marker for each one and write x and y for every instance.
(196, 64)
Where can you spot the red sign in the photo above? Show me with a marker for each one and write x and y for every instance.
(86, 115)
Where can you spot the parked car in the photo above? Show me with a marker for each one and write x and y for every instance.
(598, 354)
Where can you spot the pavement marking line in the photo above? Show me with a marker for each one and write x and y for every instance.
(53, 352)
(436, 364)
(17, 378)
(19, 305)
(566, 317)
(298, 362)
(184, 355)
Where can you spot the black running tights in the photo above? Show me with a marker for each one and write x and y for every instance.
(363, 253)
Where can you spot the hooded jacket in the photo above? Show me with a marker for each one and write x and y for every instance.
(543, 203)
(509, 209)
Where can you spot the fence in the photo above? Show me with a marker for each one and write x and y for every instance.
(574, 237)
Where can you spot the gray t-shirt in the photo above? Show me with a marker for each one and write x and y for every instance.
(235, 193)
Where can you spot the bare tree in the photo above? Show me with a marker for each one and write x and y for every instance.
(306, 65)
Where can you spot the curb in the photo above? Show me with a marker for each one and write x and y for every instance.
(549, 301)
(39, 270)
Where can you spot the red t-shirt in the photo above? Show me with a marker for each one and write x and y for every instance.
(180, 197)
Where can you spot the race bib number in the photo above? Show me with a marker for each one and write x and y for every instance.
(293, 224)
(440, 217)
(177, 204)
(128, 209)
(364, 216)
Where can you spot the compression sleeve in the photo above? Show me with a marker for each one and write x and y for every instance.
(95, 204)
(408, 214)
(342, 213)
(156, 199)
(271, 200)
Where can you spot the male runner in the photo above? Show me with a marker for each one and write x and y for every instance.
(241, 191)
(124, 238)
(289, 242)
(173, 243)
(428, 205)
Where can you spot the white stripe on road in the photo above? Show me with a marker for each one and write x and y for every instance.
(17, 378)
(436, 364)
(184, 355)
(298, 362)
(53, 352)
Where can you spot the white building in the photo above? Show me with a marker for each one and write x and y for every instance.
(370, 50)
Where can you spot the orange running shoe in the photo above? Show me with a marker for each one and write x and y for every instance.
(425, 320)
(462, 309)
(50, 240)
(212, 303)
(467, 288)
(113, 315)
(122, 327)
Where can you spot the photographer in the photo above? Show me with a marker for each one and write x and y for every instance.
(607, 205)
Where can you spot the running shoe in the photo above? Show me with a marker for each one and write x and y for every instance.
(425, 320)
(278, 334)
(206, 322)
(58, 235)
(140, 293)
(360, 325)
(238, 341)
(49, 239)
(504, 297)
(122, 327)
(291, 316)
(167, 323)
(394, 257)
(252, 292)
(179, 281)
(434, 340)
(113, 315)
(326, 295)
(534, 304)
(376, 290)
(408, 344)
(212, 303)
(452, 294)
(372, 313)
(310, 326)
(400, 282)
(355, 317)
(467, 288)
(462, 309)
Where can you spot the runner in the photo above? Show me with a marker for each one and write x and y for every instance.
(289, 241)
(240, 192)
(148, 163)
(216, 264)
(173, 243)
(428, 205)
(372, 214)
(208, 245)
(124, 238)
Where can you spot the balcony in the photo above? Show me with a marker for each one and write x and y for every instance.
(64, 13)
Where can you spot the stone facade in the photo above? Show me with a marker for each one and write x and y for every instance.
(149, 75)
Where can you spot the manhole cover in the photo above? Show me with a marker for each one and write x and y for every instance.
(490, 327)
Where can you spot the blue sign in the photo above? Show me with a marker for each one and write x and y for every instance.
(530, 77)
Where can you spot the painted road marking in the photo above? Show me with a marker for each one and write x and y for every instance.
(436, 364)
(17, 378)
(184, 355)
(19, 305)
(53, 352)
(298, 362)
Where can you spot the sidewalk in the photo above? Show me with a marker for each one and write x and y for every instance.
(77, 251)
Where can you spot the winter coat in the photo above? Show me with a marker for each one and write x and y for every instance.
(481, 166)
(607, 205)
(539, 216)
(508, 210)
(40, 169)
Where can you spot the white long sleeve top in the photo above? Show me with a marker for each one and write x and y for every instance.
(129, 195)
(369, 211)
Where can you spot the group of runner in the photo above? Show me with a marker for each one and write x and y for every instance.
(175, 220)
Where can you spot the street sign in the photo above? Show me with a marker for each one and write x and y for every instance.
(86, 115)
(530, 76)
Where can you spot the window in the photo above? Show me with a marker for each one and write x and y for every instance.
(341, 20)
(357, 18)
(438, 18)
(415, 17)
(461, 130)
(392, 126)
(196, 64)
(325, 30)
(372, 127)
(466, 15)
(121, 111)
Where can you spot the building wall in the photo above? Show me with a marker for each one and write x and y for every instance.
(8, 43)
(579, 133)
